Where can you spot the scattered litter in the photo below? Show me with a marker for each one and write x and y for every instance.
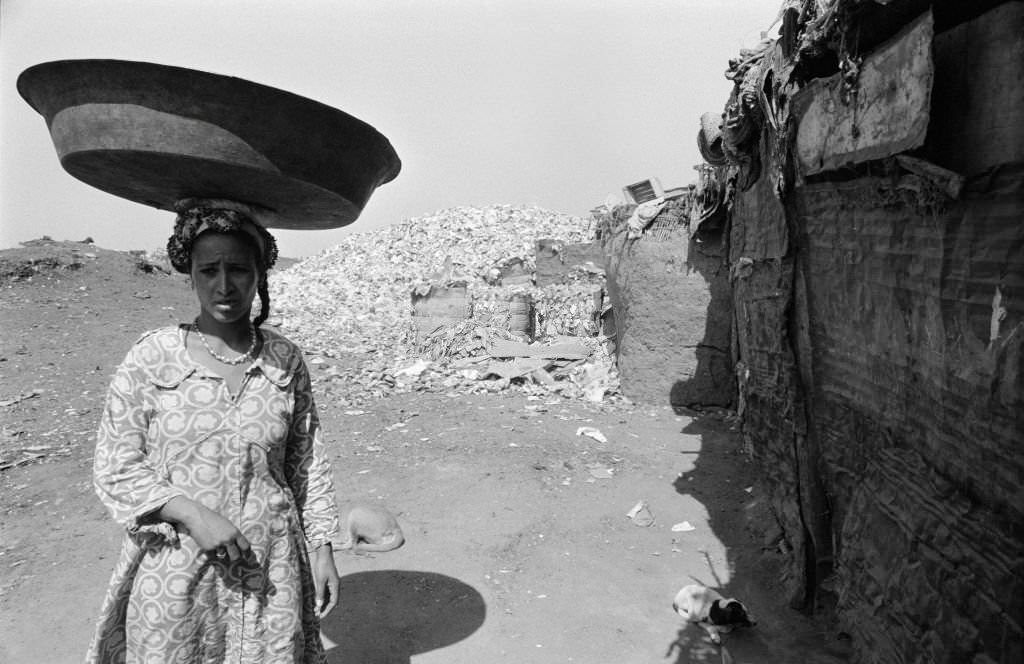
(595, 380)
(682, 527)
(355, 412)
(641, 515)
(601, 473)
(21, 397)
(415, 369)
(593, 433)
(749, 489)
(20, 462)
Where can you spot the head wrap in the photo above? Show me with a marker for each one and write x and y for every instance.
(197, 217)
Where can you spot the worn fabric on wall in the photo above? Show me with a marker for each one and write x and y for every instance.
(917, 328)
(762, 280)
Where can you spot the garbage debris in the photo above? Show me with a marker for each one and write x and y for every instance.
(643, 215)
(368, 300)
(682, 527)
(593, 433)
(28, 458)
(595, 380)
(415, 369)
(21, 397)
(641, 515)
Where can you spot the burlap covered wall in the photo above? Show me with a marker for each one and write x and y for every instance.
(917, 330)
(880, 329)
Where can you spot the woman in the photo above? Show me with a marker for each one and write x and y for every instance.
(210, 453)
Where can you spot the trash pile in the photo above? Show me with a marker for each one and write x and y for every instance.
(570, 309)
(356, 300)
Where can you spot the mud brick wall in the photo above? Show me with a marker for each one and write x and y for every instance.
(880, 339)
(673, 313)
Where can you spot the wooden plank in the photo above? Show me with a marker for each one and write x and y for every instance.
(888, 113)
(516, 368)
(563, 351)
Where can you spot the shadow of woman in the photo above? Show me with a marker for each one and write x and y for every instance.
(387, 616)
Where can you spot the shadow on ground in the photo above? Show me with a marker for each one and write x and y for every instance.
(725, 482)
(387, 616)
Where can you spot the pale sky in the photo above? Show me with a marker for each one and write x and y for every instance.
(553, 103)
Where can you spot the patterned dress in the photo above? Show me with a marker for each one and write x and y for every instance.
(170, 428)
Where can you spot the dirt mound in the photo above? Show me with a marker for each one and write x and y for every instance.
(47, 259)
(69, 312)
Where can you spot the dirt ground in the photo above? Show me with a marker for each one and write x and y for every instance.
(518, 544)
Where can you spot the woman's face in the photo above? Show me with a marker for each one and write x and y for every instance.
(225, 276)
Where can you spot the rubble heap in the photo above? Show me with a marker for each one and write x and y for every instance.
(353, 300)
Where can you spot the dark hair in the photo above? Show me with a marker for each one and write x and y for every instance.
(194, 221)
(261, 290)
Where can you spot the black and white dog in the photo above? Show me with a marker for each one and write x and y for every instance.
(716, 614)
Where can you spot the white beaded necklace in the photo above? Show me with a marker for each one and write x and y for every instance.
(247, 355)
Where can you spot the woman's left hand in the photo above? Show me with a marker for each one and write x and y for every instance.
(325, 580)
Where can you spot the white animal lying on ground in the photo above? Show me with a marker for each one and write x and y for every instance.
(371, 529)
(716, 614)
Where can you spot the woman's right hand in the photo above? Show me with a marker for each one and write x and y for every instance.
(211, 531)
